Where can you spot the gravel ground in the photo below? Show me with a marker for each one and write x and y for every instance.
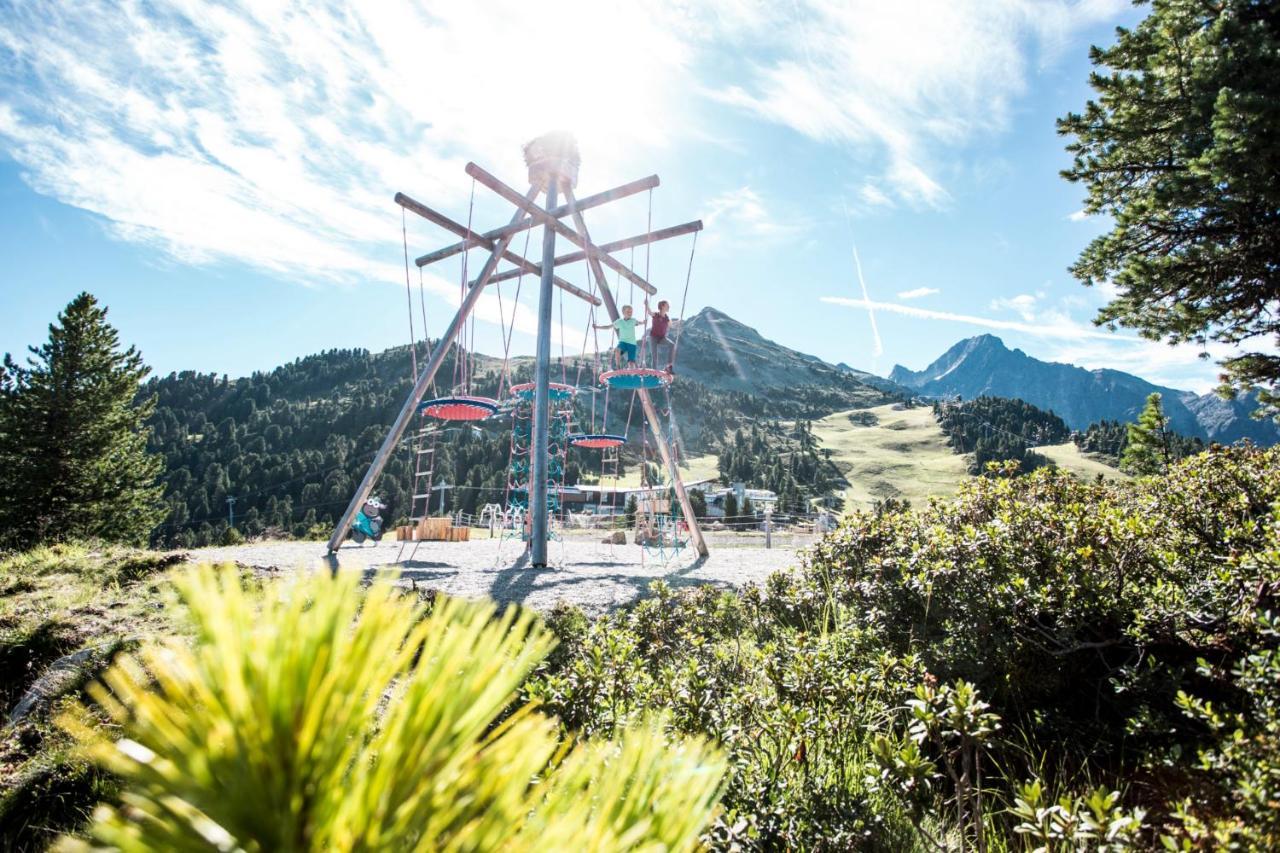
(592, 575)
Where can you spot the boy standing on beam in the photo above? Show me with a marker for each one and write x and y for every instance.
(625, 327)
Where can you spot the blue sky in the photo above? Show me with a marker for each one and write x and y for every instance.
(221, 177)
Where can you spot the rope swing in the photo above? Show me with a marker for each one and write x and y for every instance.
(462, 405)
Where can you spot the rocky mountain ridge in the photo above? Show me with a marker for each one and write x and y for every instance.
(984, 366)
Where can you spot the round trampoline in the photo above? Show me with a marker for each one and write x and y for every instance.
(555, 390)
(597, 441)
(636, 378)
(459, 408)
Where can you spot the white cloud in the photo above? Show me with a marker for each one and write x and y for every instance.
(1025, 305)
(877, 349)
(1078, 216)
(276, 134)
(745, 216)
(903, 82)
(873, 196)
(918, 292)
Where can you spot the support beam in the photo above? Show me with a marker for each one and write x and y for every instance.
(650, 411)
(617, 246)
(558, 212)
(420, 387)
(448, 224)
(565, 231)
(539, 455)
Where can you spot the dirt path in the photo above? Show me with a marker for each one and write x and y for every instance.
(594, 576)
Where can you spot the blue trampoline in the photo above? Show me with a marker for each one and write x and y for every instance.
(636, 378)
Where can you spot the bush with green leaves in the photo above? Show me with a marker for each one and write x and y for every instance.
(312, 716)
(997, 671)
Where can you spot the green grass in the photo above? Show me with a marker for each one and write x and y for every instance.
(692, 469)
(904, 455)
(56, 600)
(1069, 458)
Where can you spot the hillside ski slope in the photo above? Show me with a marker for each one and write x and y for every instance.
(903, 455)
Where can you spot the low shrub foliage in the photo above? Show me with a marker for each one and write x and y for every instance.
(1040, 663)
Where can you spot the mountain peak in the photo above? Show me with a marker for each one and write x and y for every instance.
(727, 354)
(976, 354)
(979, 342)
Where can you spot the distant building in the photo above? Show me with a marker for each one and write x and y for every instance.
(761, 499)
(607, 499)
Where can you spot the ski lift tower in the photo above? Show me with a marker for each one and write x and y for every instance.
(553, 171)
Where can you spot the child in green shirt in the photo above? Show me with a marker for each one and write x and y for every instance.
(625, 326)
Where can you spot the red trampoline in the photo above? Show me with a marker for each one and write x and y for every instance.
(460, 408)
(597, 441)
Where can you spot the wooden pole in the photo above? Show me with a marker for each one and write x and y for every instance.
(616, 246)
(650, 411)
(547, 219)
(521, 264)
(420, 387)
(539, 455)
(559, 213)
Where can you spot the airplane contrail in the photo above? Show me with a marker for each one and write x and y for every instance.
(866, 298)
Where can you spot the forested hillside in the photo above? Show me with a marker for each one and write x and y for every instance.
(784, 458)
(1108, 439)
(995, 429)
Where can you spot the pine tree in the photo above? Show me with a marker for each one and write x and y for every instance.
(698, 500)
(73, 444)
(1148, 449)
(1179, 153)
(730, 507)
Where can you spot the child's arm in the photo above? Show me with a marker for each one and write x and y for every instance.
(605, 326)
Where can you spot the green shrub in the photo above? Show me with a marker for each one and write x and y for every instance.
(858, 698)
(317, 717)
(792, 709)
(1076, 608)
(231, 536)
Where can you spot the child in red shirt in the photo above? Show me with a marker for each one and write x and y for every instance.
(658, 341)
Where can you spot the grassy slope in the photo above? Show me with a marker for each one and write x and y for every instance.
(1069, 458)
(905, 455)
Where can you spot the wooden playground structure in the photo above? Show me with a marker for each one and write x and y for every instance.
(553, 163)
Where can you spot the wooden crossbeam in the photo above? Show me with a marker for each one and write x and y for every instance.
(545, 218)
(448, 224)
(560, 212)
(618, 245)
